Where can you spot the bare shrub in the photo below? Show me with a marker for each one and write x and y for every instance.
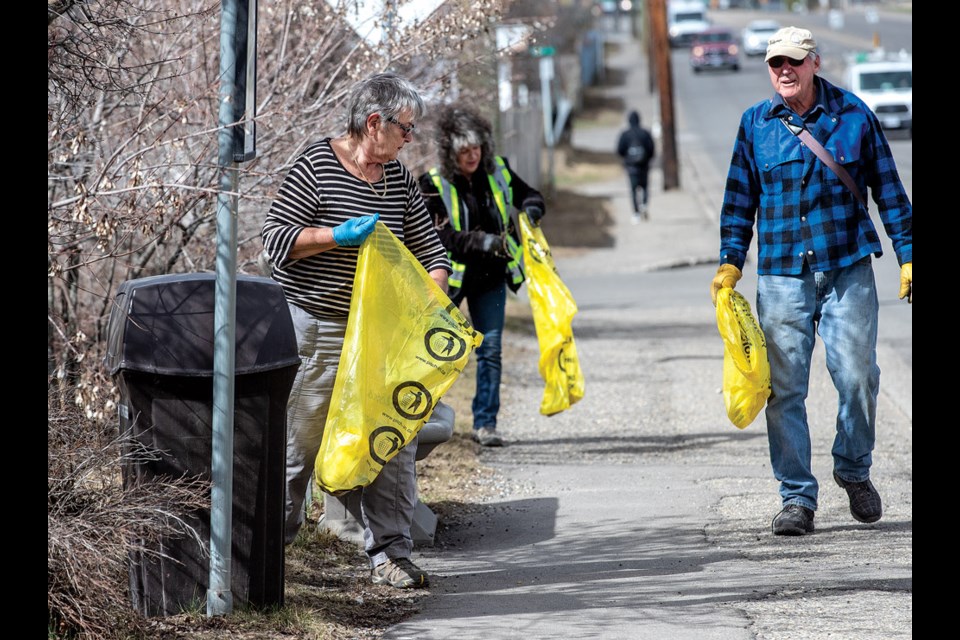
(94, 522)
(132, 149)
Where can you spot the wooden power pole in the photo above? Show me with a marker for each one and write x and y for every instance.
(660, 45)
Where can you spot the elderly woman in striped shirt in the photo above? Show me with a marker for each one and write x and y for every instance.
(329, 202)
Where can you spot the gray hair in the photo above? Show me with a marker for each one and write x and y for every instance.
(463, 126)
(385, 93)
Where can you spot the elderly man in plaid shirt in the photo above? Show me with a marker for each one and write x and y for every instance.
(815, 240)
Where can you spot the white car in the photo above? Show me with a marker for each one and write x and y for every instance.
(756, 34)
(886, 86)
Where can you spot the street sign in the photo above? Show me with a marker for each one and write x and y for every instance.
(245, 82)
(541, 52)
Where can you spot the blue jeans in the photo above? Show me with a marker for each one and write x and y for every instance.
(841, 306)
(487, 311)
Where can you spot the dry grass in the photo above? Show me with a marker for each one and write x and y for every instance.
(94, 521)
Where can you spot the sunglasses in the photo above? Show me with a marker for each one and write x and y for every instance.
(408, 129)
(777, 61)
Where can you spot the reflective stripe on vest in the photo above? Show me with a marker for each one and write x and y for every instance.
(503, 196)
(448, 193)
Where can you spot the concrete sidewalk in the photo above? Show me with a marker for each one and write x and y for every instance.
(641, 512)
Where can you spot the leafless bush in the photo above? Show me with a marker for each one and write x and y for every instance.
(94, 522)
(133, 173)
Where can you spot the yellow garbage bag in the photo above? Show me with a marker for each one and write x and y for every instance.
(746, 369)
(553, 310)
(405, 345)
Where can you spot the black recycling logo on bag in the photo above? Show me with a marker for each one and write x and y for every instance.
(562, 358)
(412, 400)
(384, 443)
(457, 316)
(444, 344)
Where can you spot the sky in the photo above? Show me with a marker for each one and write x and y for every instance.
(363, 14)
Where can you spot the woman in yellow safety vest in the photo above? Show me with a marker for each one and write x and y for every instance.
(474, 196)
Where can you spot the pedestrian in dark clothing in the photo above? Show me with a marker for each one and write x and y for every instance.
(637, 150)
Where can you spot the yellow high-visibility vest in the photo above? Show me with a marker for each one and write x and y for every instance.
(503, 196)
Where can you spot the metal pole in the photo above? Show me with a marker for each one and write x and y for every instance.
(219, 595)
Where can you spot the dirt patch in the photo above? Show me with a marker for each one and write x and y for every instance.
(574, 220)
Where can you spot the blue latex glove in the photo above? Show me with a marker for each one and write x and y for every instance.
(534, 213)
(354, 231)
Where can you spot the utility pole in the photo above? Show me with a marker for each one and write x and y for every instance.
(648, 46)
(661, 50)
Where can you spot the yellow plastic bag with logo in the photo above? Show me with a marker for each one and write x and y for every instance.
(553, 310)
(746, 369)
(405, 345)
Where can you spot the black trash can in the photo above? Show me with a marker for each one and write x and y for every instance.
(160, 354)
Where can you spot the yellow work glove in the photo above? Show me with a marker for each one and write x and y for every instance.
(906, 282)
(727, 276)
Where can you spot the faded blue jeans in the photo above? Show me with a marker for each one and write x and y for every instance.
(487, 312)
(841, 306)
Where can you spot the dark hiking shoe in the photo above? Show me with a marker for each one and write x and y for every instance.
(793, 520)
(865, 503)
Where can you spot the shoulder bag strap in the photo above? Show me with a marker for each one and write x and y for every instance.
(825, 157)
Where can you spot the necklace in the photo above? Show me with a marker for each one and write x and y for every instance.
(383, 170)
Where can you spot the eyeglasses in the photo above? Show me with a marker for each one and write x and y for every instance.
(408, 129)
(777, 61)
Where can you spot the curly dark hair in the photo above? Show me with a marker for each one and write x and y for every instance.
(459, 127)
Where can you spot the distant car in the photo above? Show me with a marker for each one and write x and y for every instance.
(714, 48)
(886, 86)
(756, 34)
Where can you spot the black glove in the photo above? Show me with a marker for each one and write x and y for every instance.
(493, 245)
(534, 213)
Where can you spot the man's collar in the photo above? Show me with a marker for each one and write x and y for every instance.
(821, 102)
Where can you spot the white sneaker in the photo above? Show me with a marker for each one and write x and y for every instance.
(635, 219)
(400, 573)
(487, 437)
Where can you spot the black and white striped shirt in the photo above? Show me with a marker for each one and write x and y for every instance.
(320, 192)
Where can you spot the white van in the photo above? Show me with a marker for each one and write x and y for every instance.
(887, 88)
(685, 19)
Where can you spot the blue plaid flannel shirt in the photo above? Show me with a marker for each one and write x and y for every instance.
(802, 209)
